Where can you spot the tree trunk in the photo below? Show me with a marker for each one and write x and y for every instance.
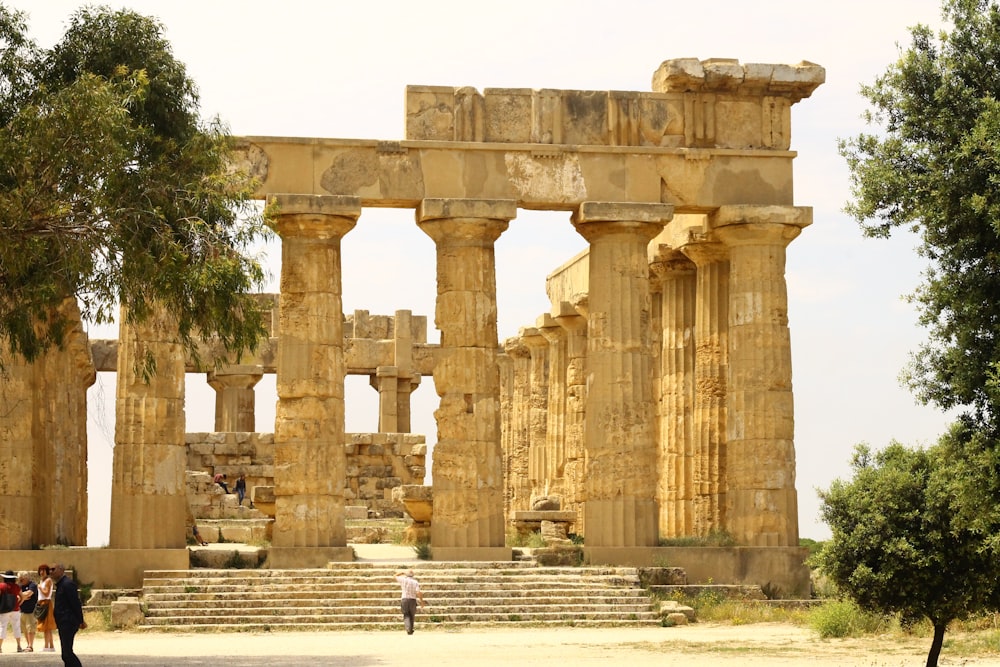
(932, 656)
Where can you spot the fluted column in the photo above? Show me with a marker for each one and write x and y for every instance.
(148, 492)
(468, 470)
(620, 439)
(309, 459)
(573, 320)
(711, 367)
(235, 401)
(538, 407)
(762, 502)
(555, 430)
(63, 507)
(515, 379)
(20, 459)
(675, 275)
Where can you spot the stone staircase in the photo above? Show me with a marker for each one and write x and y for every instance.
(363, 595)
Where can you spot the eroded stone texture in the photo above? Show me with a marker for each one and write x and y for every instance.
(538, 409)
(573, 320)
(675, 278)
(760, 424)
(620, 478)
(711, 371)
(468, 471)
(515, 373)
(309, 462)
(148, 493)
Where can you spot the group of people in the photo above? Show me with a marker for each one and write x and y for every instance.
(240, 488)
(52, 604)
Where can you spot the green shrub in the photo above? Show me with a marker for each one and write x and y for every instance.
(423, 550)
(844, 618)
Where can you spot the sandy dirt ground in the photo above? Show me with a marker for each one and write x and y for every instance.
(698, 645)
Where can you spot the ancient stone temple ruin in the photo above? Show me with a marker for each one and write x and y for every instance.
(654, 398)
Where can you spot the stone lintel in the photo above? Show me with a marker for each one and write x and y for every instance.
(288, 558)
(387, 371)
(490, 209)
(558, 179)
(481, 554)
(566, 516)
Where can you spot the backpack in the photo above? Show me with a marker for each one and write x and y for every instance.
(7, 601)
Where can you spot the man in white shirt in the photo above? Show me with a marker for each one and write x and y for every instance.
(410, 595)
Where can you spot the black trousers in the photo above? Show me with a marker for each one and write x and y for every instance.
(67, 633)
(409, 607)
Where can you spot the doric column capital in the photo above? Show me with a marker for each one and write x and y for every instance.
(515, 348)
(596, 219)
(533, 338)
(465, 221)
(315, 216)
(703, 253)
(550, 329)
(669, 262)
(754, 225)
(236, 376)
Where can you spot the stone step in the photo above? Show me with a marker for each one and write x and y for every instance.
(364, 595)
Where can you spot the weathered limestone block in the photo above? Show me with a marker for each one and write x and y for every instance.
(126, 612)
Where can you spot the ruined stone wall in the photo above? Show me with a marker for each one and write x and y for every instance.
(376, 463)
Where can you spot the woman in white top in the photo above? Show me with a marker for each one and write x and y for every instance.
(47, 623)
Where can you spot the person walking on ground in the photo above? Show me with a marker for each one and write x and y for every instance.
(69, 614)
(46, 623)
(241, 488)
(10, 608)
(410, 595)
(29, 599)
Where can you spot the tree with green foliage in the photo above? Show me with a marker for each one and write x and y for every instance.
(917, 532)
(902, 543)
(932, 163)
(115, 193)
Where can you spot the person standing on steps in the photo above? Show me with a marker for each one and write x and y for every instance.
(68, 611)
(410, 595)
(241, 488)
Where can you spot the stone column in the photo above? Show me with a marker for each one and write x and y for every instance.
(309, 456)
(62, 511)
(761, 499)
(517, 433)
(538, 407)
(21, 461)
(468, 473)
(235, 402)
(386, 382)
(675, 274)
(620, 509)
(711, 367)
(555, 428)
(396, 383)
(149, 505)
(573, 320)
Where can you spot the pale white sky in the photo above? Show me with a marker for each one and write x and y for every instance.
(339, 69)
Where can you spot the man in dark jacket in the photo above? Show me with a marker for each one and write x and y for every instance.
(68, 612)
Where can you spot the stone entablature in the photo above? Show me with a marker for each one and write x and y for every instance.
(689, 95)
